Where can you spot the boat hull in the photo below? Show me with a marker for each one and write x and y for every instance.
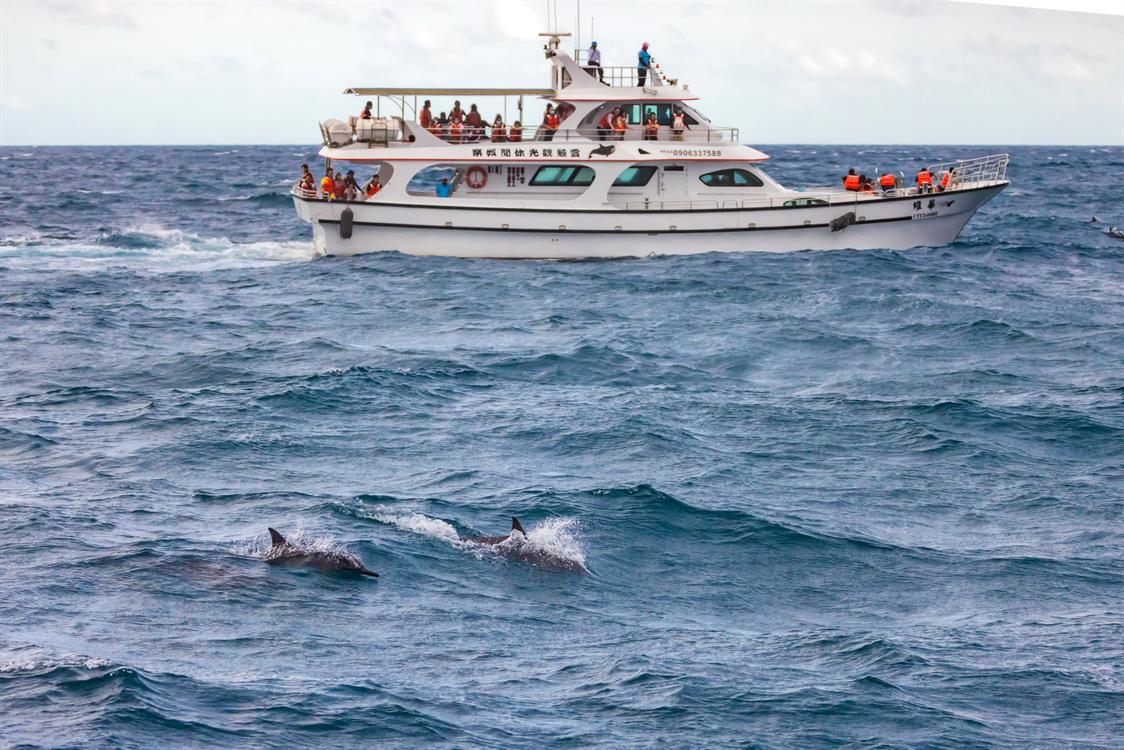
(472, 232)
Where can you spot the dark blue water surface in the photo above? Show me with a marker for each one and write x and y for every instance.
(825, 499)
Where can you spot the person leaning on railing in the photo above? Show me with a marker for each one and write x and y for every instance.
(620, 126)
(550, 123)
(652, 128)
(516, 134)
(328, 185)
(678, 124)
(924, 180)
(499, 130)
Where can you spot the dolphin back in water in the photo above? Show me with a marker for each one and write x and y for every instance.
(517, 546)
(326, 561)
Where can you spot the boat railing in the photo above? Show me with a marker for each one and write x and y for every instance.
(972, 172)
(622, 75)
(545, 135)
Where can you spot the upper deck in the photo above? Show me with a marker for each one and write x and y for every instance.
(582, 100)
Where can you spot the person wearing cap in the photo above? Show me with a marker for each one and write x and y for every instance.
(593, 60)
(643, 62)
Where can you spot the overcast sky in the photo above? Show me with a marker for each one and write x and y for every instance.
(792, 72)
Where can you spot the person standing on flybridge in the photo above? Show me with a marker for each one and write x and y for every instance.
(643, 62)
(594, 61)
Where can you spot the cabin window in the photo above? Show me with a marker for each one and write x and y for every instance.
(634, 177)
(562, 175)
(731, 178)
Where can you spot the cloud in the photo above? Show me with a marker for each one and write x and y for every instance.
(14, 103)
(1065, 67)
(92, 12)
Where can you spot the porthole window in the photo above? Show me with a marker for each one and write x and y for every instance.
(725, 178)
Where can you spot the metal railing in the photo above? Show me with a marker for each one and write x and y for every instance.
(972, 172)
(481, 135)
(621, 75)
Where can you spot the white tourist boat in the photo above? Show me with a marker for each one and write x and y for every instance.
(579, 192)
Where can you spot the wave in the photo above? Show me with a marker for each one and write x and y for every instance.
(157, 247)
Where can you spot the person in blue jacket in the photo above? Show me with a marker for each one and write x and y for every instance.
(444, 189)
(643, 62)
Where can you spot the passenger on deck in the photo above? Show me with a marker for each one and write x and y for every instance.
(350, 186)
(425, 117)
(328, 185)
(888, 182)
(474, 125)
(652, 128)
(516, 134)
(605, 126)
(373, 186)
(643, 62)
(678, 124)
(457, 113)
(444, 189)
(499, 130)
(851, 181)
(593, 63)
(620, 125)
(549, 123)
(924, 181)
(456, 130)
(307, 182)
(437, 125)
(339, 188)
(366, 113)
(866, 185)
(946, 179)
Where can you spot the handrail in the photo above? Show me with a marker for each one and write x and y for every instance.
(383, 135)
(971, 172)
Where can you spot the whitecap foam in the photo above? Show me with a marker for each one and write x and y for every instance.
(420, 523)
(155, 247)
(554, 537)
(32, 658)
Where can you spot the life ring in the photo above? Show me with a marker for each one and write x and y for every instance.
(476, 178)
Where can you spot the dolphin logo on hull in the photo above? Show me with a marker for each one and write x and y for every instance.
(606, 150)
(516, 546)
(284, 553)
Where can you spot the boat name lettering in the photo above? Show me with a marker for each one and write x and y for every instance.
(550, 153)
(690, 152)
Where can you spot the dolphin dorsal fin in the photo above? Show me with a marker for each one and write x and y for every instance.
(516, 526)
(276, 538)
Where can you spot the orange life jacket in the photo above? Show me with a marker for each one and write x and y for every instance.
(373, 188)
(851, 182)
(945, 179)
(498, 133)
(887, 181)
(455, 129)
(619, 125)
(866, 188)
(435, 128)
(606, 122)
(651, 128)
(328, 185)
(552, 122)
(425, 118)
(516, 134)
(924, 177)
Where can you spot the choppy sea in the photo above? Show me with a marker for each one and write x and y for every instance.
(824, 499)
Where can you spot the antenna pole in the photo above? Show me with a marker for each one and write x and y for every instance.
(578, 31)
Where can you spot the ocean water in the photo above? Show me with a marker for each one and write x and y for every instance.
(843, 499)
